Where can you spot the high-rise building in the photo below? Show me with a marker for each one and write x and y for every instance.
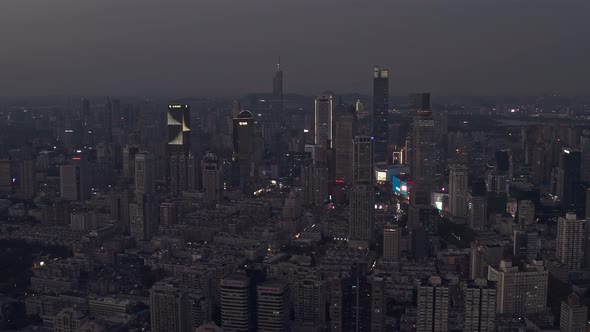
(362, 197)
(433, 306)
(526, 213)
(143, 217)
(521, 289)
(392, 237)
(314, 183)
(145, 168)
(571, 163)
(481, 255)
(179, 129)
(273, 306)
(526, 244)
(477, 211)
(309, 304)
(380, 112)
(174, 308)
(169, 213)
(243, 141)
(184, 173)
(480, 306)
(570, 240)
(458, 191)
(426, 158)
(26, 179)
(323, 121)
(573, 315)
(345, 128)
(350, 301)
(378, 304)
(120, 208)
(277, 98)
(75, 182)
(212, 185)
(235, 303)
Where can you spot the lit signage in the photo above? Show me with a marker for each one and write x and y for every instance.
(243, 123)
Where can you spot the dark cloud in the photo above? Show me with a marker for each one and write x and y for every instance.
(222, 47)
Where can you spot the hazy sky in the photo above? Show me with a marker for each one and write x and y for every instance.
(219, 47)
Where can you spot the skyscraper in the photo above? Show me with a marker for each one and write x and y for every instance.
(426, 161)
(380, 111)
(570, 239)
(75, 183)
(433, 306)
(243, 140)
(345, 127)
(144, 173)
(212, 186)
(521, 290)
(480, 306)
(323, 120)
(143, 217)
(458, 191)
(309, 304)
(570, 163)
(573, 315)
(235, 303)
(392, 237)
(277, 98)
(526, 213)
(362, 197)
(179, 129)
(273, 306)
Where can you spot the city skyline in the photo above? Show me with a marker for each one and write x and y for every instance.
(457, 48)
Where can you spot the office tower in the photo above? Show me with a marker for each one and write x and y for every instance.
(362, 197)
(392, 236)
(323, 121)
(557, 183)
(236, 108)
(74, 182)
(273, 306)
(345, 130)
(309, 304)
(363, 148)
(277, 99)
(128, 156)
(292, 209)
(573, 315)
(169, 213)
(481, 255)
(570, 163)
(433, 306)
(167, 306)
(179, 129)
(235, 303)
(243, 140)
(143, 217)
(419, 101)
(527, 244)
(69, 320)
(120, 208)
(5, 176)
(350, 301)
(477, 211)
(521, 289)
(426, 159)
(480, 306)
(380, 112)
(212, 185)
(570, 239)
(421, 216)
(26, 179)
(144, 173)
(458, 191)
(377, 304)
(184, 174)
(314, 184)
(526, 213)
(175, 308)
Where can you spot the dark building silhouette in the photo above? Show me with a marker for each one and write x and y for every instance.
(380, 112)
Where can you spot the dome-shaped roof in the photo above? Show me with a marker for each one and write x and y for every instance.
(245, 114)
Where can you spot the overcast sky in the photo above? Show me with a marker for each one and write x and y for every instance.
(219, 47)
